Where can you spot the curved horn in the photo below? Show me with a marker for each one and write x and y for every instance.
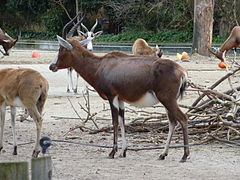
(94, 26)
(65, 28)
(73, 29)
(80, 33)
(84, 27)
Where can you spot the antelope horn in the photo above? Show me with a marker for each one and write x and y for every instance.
(65, 28)
(80, 33)
(94, 26)
(73, 29)
(84, 27)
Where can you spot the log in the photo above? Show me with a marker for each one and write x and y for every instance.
(14, 171)
(42, 168)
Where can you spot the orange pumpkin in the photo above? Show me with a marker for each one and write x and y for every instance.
(35, 54)
(185, 55)
(222, 65)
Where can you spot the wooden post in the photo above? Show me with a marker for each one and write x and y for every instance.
(203, 26)
(42, 168)
(14, 170)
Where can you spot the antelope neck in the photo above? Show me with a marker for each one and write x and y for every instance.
(86, 66)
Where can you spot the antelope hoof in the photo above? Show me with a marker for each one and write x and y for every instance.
(75, 91)
(1, 149)
(85, 92)
(68, 90)
(123, 154)
(15, 150)
(184, 158)
(162, 156)
(112, 153)
(35, 154)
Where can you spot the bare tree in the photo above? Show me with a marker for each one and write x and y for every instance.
(203, 26)
(61, 4)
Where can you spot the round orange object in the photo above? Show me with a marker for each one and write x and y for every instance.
(35, 54)
(222, 65)
(185, 55)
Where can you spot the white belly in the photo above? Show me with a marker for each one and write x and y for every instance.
(148, 99)
(16, 102)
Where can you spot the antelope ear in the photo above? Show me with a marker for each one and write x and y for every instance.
(86, 41)
(64, 43)
(98, 33)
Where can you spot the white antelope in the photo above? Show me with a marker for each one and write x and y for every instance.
(82, 35)
(141, 47)
(139, 80)
(22, 87)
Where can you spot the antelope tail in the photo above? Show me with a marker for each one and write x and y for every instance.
(182, 87)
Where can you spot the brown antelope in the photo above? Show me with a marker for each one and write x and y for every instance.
(139, 80)
(87, 35)
(141, 47)
(22, 87)
(232, 42)
(7, 42)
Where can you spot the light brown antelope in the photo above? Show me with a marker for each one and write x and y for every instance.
(22, 87)
(7, 42)
(87, 35)
(141, 47)
(232, 42)
(139, 80)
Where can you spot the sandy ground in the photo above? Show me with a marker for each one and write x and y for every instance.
(77, 161)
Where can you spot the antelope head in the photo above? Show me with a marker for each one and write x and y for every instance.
(66, 52)
(158, 51)
(219, 54)
(90, 33)
(7, 42)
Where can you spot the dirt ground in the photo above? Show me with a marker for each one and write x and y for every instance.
(78, 161)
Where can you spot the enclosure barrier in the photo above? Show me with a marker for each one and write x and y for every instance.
(41, 169)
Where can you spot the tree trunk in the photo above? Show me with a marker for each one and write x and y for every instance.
(203, 26)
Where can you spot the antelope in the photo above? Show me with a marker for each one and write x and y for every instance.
(91, 34)
(141, 47)
(232, 42)
(138, 80)
(82, 36)
(22, 87)
(7, 42)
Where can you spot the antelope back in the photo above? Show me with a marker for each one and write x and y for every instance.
(141, 47)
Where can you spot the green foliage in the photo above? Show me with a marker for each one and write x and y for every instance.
(53, 21)
(169, 36)
(38, 35)
(218, 39)
(153, 20)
